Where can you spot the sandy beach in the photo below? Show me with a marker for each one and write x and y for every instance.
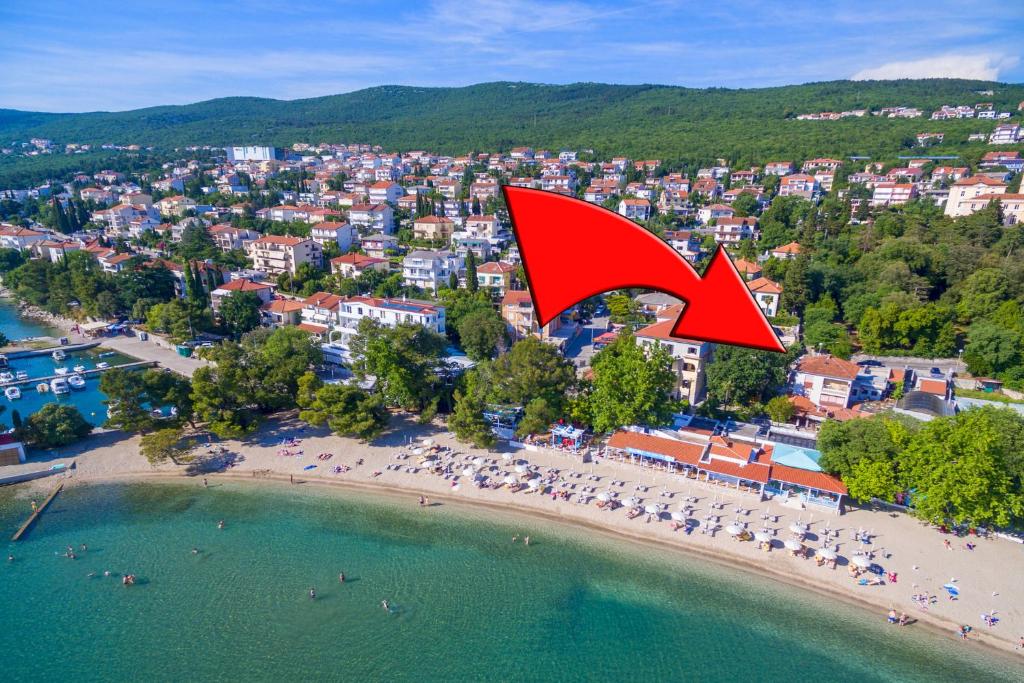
(988, 576)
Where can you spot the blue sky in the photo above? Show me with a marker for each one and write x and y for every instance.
(100, 55)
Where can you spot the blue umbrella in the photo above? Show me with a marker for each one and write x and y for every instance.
(951, 589)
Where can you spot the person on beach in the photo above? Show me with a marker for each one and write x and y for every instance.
(892, 616)
(946, 544)
(421, 501)
(515, 538)
(1020, 644)
(206, 484)
(904, 619)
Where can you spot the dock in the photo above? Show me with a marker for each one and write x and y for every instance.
(66, 348)
(35, 515)
(84, 373)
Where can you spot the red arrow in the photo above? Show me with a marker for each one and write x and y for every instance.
(573, 250)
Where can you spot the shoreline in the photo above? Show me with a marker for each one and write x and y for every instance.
(931, 623)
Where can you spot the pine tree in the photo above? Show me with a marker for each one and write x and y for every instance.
(476, 206)
(471, 282)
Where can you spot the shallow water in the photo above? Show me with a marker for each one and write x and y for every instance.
(17, 327)
(468, 603)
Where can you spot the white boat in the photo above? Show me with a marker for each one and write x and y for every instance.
(21, 374)
(59, 355)
(102, 366)
(76, 382)
(42, 387)
(59, 385)
(6, 377)
(61, 371)
(12, 393)
(79, 368)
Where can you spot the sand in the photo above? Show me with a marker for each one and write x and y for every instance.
(988, 576)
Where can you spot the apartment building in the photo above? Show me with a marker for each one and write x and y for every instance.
(275, 254)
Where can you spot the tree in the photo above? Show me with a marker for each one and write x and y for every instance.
(10, 259)
(275, 360)
(164, 444)
(482, 332)
(991, 349)
(240, 312)
(347, 410)
(55, 425)
(741, 376)
(472, 284)
(405, 360)
(126, 400)
(467, 420)
(631, 385)
(780, 409)
(220, 394)
(4, 341)
(196, 243)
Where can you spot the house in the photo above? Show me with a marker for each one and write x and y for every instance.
(113, 262)
(1006, 134)
(326, 232)
(1009, 160)
(277, 254)
(175, 206)
(229, 237)
(341, 316)
(482, 226)
(430, 270)
(372, 218)
(750, 270)
(518, 313)
(385, 192)
(635, 209)
(827, 164)
(379, 245)
(766, 294)
(713, 212)
(825, 380)
(686, 242)
(967, 189)
(690, 357)
(893, 194)
(779, 168)
(354, 265)
(19, 238)
(707, 187)
(433, 228)
(12, 452)
(263, 290)
(1012, 206)
(282, 312)
(786, 251)
(495, 275)
(675, 202)
(731, 230)
(798, 185)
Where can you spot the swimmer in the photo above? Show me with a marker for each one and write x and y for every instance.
(312, 594)
(10, 558)
(106, 573)
(385, 605)
(195, 551)
(526, 540)
(220, 524)
(84, 548)
(515, 538)
(341, 577)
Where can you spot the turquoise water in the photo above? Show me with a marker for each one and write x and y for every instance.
(16, 327)
(468, 603)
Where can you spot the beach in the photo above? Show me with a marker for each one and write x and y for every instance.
(987, 577)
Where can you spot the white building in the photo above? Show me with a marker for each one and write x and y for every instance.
(341, 234)
(253, 153)
(275, 254)
(430, 269)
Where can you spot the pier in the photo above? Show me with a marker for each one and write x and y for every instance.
(84, 373)
(36, 513)
(67, 348)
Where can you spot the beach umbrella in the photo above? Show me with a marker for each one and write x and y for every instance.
(479, 462)
(533, 483)
(798, 528)
(603, 497)
(631, 502)
(679, 516)
(762, 537)
(468, 472)
(510, 480)
(861, 561)
(951, 589)
(506, 456)
(792, 544)
(522, 469)
(734, 530)
(828, 554)
(652, 509)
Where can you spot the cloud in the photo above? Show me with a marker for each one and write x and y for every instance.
(983, 67)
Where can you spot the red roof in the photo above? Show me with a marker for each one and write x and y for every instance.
(808, 478)
(515, 297)
(791, 248)
(313, 328)
(765, 286)
(932, 386)
(243, 285)
(280, 239)
(680, 451)
(358, 260)
(323, 300)
(827, 365)
(495, 268)
(980, 179)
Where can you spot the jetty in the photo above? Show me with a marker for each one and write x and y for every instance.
(36, 513)
(84, 373)
(66, 348)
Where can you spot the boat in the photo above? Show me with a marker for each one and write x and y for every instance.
(61, 371)
(21, 374)
(42, 387)
(106, 354)
(79, 368)
(3, 361)
(76, 382)
(12, 393)
(102, 366)
(6, 377)
(59, 355)
(59, 385)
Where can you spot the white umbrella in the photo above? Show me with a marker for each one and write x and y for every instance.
(734, 530)
(533, 483)
(468, 472)
(861, 561)
(679, 516)
(510, 480)
(430, 462)
(631, 502)
(479, 462)
(522, 469)
(792, 544)
(506, 456)
(603, 497)
(762, 537)
(652, 509)
(827, 553)
(798, 528)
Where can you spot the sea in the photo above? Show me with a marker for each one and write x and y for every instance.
(89, 400)
(465, 602)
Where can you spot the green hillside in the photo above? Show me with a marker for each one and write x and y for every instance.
(640, 121)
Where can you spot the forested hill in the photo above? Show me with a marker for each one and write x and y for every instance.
(640, 121)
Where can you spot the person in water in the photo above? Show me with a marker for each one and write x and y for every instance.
(385, 605)
(312, 594)
(341, 577)
(10, 558)
(220, 524)
(195, 551)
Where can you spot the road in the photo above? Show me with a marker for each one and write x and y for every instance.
(581, 347)
(920, 365)
(151, 350)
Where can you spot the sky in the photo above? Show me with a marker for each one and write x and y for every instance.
(59, 55)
